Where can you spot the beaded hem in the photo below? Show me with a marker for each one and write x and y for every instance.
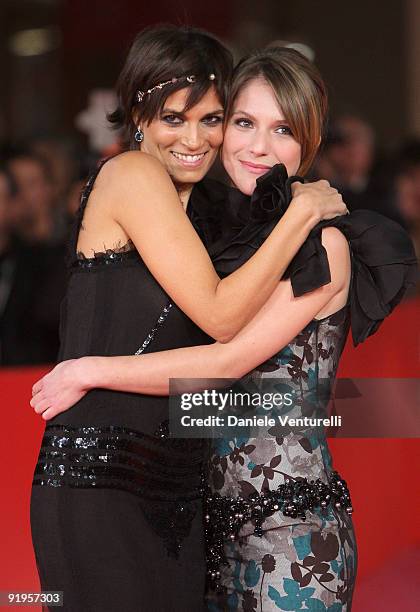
(224, 516)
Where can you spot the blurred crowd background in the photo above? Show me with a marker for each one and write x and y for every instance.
(59, 60)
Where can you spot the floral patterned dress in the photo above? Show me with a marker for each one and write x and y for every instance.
(277, 516)
(293, 564)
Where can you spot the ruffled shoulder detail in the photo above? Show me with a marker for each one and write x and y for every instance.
(384, 264)
(248, 221)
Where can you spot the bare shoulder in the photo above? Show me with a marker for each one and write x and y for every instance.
(335, 242)
(338, 252)
(134, 160)
(131, 168)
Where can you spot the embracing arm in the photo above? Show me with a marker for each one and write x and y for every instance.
(276, 324)
(174, 254)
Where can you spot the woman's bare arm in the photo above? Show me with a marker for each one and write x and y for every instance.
(276, 324)
(142, 199)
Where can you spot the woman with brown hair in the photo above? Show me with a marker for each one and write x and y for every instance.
(116, 510)
(278, 525)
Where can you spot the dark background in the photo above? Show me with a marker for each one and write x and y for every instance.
(366, 50)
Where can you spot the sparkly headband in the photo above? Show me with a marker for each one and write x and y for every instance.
(190, 79)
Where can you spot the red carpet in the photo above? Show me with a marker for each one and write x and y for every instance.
(381, 474)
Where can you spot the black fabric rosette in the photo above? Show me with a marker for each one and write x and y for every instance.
(384, 264)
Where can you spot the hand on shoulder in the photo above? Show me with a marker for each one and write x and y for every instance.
(319, 199)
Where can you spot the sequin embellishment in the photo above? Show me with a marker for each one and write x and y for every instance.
(150, 336)
(225, 516)
(109, 257)
(165, 473)
(117, 457)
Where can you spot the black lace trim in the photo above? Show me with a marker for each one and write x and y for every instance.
(109, 257)
(172, 522)
(116, 250)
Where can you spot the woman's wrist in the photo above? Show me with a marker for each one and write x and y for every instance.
(88, 372)
(304, 212)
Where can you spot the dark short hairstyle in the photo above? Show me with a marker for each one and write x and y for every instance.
(157, 55)
(298, 88)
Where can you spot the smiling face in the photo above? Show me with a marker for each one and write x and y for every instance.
(257, 137)
(186, 143)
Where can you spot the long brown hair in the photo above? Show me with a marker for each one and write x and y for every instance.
(299, 89)
(158, 54)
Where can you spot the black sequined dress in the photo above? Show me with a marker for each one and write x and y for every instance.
(116, 511)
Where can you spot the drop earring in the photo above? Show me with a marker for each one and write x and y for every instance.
(139, 136)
